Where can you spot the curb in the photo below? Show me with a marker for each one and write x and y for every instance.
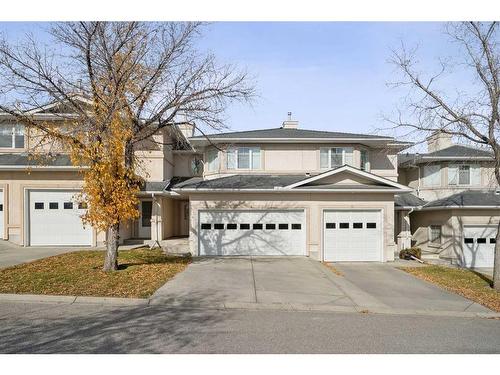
(70, 300)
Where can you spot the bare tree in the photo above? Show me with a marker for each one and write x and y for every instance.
(137, 79)
(475, 116)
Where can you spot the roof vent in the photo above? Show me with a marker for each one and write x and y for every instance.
(289, 123)
(308, 174)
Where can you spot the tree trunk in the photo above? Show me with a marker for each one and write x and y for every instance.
(496, 262)
(111, 260)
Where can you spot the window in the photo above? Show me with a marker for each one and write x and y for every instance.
(344, 225)
(258, 226)
(12, 136)
(244, 226)
(435, 234)
(213, 160)
(282, 226)
(357, 225)
(432, 175)
(206, 226)
(481, 240)
(270, 226)
(330, 225)
(218, 226)
(232, 226)
(335, 157)
(82, 206)
(53, 206)
(1, 207)
(196, 166)
(38, 205)
(493, 240)
(296, 226)
(68, 205)
(468, 240)
(464, 174)
(243, 158)
(146, 212)
(371, 225)
(364, 160)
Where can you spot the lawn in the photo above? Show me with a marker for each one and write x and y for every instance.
(467, 283)
(141, 272)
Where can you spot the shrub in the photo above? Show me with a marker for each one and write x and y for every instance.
(406, 253)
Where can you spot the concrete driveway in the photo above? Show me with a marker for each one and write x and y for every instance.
(296, 281)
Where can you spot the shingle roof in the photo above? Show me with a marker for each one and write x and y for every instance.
(241, 182)
(287, 133)
(24, 160)
(467, 198)
(459, 150)
(407, 200)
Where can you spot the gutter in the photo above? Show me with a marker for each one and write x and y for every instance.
(281, 190)
(39, 167)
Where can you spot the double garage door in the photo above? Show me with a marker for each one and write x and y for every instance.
(479, 245)
(253, 232)
(347, 235)
(54, 219)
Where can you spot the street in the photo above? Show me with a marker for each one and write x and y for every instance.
(63, 328)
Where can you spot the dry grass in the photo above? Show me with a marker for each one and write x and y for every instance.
(141, 272)
(467, 283)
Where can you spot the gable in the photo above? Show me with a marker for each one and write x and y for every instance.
(343, 178)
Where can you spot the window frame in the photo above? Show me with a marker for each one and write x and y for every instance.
(212, 165)
(14, 128)
(425, 174)
(251, 151)
(364, 165)
(439, 241)
(474, 180)
(344, 153)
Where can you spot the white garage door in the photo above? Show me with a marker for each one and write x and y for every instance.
(479, 246)
(262, 232)
(54, 219)
(350, 236)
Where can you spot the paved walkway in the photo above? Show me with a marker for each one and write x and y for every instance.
(256, 282)
(11, 254)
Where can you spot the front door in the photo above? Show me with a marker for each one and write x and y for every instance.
(146, 209)
(185, 219)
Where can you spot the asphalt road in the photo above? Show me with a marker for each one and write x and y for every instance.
(50, 328)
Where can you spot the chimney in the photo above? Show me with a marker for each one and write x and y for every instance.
(186, 128)
(438, 141)
(289, 123)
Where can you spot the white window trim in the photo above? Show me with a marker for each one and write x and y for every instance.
(471, 167)
(365, 167)
(426, 182)
(435, 244)
(216, 164)
(250, 155)
(330, 156)
(13, 137)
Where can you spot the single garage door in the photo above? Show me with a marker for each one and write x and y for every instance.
(255, 232)
(351, 236)
(54, 219)
(479, 245)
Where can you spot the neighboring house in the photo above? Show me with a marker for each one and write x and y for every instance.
(454, 210)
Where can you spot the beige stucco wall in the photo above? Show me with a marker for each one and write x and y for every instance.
(313, 204)
(302, 158)
(410, 177)
(452, 222)
(14, 184)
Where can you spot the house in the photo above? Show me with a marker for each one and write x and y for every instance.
(454, 210)
(329, 195)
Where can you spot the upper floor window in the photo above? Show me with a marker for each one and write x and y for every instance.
(12, 135)
(464, 174)
(196, 166)
(363, 154)
(243, 158)
(212, 160)
(335, 157)
(432, 175)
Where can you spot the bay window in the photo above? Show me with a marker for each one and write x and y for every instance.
(335, 157)
(12, 135)
(243, 158)
(212, 160)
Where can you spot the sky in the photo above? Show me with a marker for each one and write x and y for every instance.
(331, 75)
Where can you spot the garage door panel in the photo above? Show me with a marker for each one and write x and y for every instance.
(478, 246)
(55, 219)
(352, 236)
(252, 233)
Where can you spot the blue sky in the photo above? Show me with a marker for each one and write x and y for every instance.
(332, 76)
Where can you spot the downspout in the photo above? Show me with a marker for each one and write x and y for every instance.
(157, 242)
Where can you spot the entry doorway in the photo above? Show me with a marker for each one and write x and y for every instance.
(146, 210)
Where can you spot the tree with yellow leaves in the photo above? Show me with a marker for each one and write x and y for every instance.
(137, 79)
